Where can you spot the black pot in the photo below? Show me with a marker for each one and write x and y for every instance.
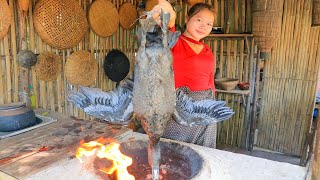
(16, 116)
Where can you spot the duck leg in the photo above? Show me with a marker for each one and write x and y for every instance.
(154, 155)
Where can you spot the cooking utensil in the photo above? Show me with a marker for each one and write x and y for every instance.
(16, 116)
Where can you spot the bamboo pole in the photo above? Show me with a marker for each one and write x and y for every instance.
(236, 16)
(14, 53)
(222, 15)
(248, 15)
(43, 94)
(243, 15)
(252, 80)
(8, 68)
(2, 83)
(316, 161)
(33, 49)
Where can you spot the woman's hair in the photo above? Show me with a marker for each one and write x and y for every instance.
(199, 7)
(196, 9)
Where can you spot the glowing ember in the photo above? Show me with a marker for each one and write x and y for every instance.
(111, 152)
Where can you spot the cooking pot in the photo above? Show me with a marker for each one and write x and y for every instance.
(16, 116)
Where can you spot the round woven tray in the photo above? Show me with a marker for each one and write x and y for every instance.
(61, 24)
(193, 2)
(81, 68)
(48, 66)
(128, 15)
(5, 18)
(150, 4)
(103, 18)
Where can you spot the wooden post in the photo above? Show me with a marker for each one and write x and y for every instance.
(316, 162)
(25, 81)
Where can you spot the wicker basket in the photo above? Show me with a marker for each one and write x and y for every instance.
(193, 2)
(150, 4)
(61, 24)
(226, 83)
(103, 18)
(316, 13)
(128, 16)
(81, 68)
(5, 18)
(267, 26)
(26, 58)
(48, 66)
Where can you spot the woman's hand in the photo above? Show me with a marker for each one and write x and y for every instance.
(166, 7)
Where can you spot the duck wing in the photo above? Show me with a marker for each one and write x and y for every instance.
(114, 106)
(190, 112)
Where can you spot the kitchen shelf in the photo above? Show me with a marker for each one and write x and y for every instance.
(230, 35)
(234, 91)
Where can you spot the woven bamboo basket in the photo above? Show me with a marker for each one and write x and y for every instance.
(226, 83)
(316, 13)
(150, 4)
(193, 2)
(127, 16)
(5, 18)
(103, 18)
(267, 26)
(61, 24)
(81, 68)
(48, 66)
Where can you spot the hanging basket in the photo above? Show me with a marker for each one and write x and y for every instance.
(316, 13)
(5, 18)
(128, 16)
(61, 24)
(103, 18)
(48, 66)
(193, 2)
(150, 4)
(81, 68)
(267, 27)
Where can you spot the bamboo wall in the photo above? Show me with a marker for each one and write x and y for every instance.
(290, 81)
(52, 95)
(231, 56)
(233, 59)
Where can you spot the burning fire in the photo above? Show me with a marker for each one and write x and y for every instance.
(111, 152)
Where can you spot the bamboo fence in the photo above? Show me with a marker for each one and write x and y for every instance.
(290, 81)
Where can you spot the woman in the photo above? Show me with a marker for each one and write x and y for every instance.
(193, 65)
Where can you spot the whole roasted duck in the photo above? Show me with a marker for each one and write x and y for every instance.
(151, 96)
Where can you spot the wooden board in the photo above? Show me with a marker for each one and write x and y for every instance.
(44, 147)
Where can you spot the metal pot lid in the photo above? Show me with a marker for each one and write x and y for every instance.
(12, 106)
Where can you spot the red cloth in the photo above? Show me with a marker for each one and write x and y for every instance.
(193, 70)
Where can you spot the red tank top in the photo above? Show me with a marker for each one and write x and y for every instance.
(191, 69)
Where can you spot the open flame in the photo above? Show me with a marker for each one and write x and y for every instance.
(111, 152)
